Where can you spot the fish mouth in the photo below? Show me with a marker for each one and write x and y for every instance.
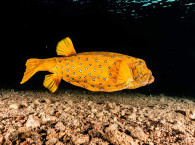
(151, 79)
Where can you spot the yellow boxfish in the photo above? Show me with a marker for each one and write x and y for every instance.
(95, 71)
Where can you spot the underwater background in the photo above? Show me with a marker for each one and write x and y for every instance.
(162, 32)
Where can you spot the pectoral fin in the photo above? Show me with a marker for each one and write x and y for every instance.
(125, 74)
(51, 82)
(65, 47)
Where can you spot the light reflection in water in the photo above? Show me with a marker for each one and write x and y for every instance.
(142, 8)
(133, 8)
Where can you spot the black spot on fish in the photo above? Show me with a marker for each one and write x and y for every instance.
(67, 75)
(86, 59)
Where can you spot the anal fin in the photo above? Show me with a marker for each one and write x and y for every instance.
(51, 82)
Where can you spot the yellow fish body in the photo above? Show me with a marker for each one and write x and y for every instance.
(95, 71)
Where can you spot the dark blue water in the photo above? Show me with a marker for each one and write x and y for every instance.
(159, 31)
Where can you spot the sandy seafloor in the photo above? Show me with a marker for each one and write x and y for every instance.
(91, 118)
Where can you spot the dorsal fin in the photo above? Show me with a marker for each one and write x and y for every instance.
(125, 73)
(65, 47)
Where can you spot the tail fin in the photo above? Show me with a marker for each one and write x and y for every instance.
(31, 68)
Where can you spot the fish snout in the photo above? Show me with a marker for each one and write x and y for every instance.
(151, 79)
